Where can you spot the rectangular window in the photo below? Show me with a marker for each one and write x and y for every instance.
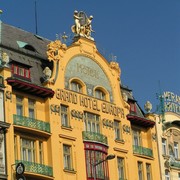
(117, 130)
(41, 159)
(67, 157)
(140, 170)
(15, 147)
(148, 171)
(92, 122)
(27, 150)
(164, 146)
(121, 169)
(31, 107)
(21, 71)
(132, 107)
(136, 138)
(167, 175)
(176, 150)
(64, 116)
(19, 105)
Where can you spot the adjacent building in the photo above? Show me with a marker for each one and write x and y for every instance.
(66, 115)
(168, 135)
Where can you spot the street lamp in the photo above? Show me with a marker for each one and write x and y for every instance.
(109, 157)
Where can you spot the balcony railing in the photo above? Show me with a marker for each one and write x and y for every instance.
(92, 136)
(175, 164)
(31, 123)
(142, 151)
(37, 168)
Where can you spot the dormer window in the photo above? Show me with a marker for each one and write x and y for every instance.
(21, 71)
(132, 107)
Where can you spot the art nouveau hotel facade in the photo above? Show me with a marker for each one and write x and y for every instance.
(65, 114)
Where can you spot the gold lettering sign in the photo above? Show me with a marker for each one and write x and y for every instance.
(90, 103)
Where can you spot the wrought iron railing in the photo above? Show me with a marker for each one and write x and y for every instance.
(93, 136)
(32, 123)
(142, 151)
(37, 168)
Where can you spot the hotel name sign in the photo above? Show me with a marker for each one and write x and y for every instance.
(171, 102)
(89, 102)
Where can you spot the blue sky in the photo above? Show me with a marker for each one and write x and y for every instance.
(143, 34)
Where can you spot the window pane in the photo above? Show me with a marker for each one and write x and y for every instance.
(136, 138)
(148, 171)
(121, 168)
(31, 106)
(27, 150)
(117, 130)
(67, 157)
(100, 94)
(19, 105)
(41, 160)
(167, 175)
(64, 116)
(164, 146)
(92, 122)
(176, 151)
(75, 86)
(140, 170)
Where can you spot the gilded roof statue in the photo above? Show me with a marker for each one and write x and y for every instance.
(82, 25)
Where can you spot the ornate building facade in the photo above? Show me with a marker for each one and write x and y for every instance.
(66, 114)
(168, 131)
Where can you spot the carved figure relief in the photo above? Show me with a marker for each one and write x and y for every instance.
(55, 51)
(82, 25)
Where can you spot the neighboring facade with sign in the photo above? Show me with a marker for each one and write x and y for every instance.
(69, 112)
(168, 135)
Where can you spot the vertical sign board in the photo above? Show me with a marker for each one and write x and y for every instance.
(171, 102)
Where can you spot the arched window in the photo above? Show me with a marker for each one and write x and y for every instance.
(76, 86)
(100, 94)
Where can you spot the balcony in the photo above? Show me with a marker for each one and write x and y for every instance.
(95, 137)
(175, 164)
(31, 123)
(36, 168)
(142, 151)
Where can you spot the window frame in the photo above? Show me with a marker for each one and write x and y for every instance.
(76, 86)
(164, 146)
(67, 157)
(121, 168)
(37, 156)
(167, 175)
(117, 130)
(19, 105)
(148, 171)
(137, 136)
(65, 120)
(32, 108)
(21, 71)
(140, 170)
(26, 151)
(91, 122)
(176, 150)
(99, 94)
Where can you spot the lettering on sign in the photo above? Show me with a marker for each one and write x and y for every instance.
(171, 102)
(90, 103)
(85, 70)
